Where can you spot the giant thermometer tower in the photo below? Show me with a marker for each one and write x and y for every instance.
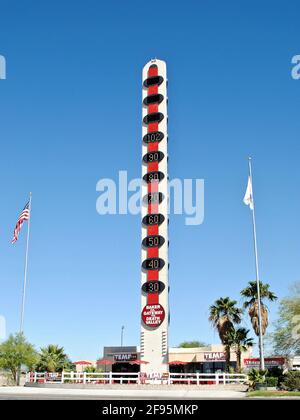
(155, 266)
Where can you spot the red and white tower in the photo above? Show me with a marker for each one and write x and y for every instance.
(155, 265)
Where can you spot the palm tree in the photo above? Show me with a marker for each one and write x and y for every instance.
(52, 359)
(224, 315)
(239, 341)
(256, 376)
(251, 302)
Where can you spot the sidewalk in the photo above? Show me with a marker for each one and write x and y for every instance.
(115, 394)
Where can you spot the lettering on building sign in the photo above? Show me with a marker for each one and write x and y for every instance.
(218, 356)
(269, 362)
(126, 357)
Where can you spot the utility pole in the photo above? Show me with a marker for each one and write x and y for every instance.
(122, 335)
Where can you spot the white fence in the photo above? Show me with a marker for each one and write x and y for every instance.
(136, 378)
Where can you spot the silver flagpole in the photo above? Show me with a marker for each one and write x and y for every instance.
(25, 269)
(261, 343)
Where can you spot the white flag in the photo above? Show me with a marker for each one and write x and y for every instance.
(248, 199)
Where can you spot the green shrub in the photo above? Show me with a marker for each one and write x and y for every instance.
(231, 369)
(271, 381)
(292, 381)
(275, 372)
(256, 375)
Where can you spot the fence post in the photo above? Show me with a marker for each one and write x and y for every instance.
(197, 375)
(62, 377)
(110, 377)
(84, 377)
(217, 379)
(34, 379)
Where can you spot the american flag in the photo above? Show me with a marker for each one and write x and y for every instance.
(23, 216)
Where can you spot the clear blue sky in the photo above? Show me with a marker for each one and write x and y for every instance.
(70, 114)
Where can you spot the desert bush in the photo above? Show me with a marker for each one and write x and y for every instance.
(291, 381)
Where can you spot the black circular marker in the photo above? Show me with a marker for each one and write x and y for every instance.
(154, 117)
(153, 157)
(153, 241)
(153, 286)
(153, 219)
(153, 198)
(154, 176)
(153, 80)
(153, 264)
(154, 136)
(153, 99)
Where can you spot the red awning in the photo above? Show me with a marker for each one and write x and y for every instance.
(139, 362)
(104, 362)
(177, 362)
(82, 362)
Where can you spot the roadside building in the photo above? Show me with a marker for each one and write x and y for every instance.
(296, 363)
(210, 359)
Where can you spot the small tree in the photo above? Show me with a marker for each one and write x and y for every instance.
(286, 337)
(192, 344)
(93, 369)
(16, 352)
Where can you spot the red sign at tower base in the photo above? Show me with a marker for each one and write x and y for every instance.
(153, 315)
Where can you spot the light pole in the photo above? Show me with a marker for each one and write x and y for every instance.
(122, 334)
(261, 342)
